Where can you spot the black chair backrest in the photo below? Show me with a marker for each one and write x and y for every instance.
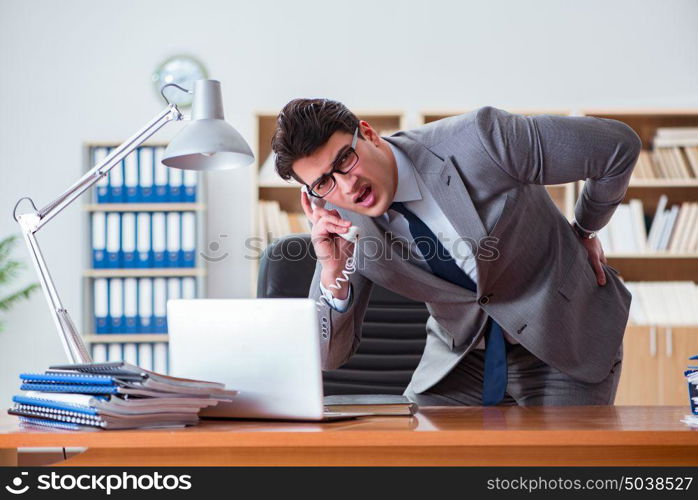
(393, 334)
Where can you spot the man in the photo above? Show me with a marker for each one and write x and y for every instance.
(526, 311)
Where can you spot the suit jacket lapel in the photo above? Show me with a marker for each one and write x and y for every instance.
(374, 244)
(445, 183)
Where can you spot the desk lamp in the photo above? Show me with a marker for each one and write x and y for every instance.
(207, 143)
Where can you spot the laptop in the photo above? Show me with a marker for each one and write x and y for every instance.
(267, 349)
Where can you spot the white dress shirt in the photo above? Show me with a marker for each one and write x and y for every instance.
(418, 200)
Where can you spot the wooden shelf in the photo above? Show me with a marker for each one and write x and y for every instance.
(144, 272)
(145, 207)
(652, 255)
(663, 183)
(136, 338)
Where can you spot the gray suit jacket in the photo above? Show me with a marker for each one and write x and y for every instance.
(486, 169)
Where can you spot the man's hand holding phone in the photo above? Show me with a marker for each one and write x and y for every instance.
(332, 250)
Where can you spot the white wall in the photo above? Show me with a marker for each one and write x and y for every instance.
(79, 70)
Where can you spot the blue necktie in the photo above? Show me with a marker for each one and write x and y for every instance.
(442, 265)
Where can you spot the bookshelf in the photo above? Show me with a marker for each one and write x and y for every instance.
(563, 195)
(143, 346)
(655, 355)
(268, 187)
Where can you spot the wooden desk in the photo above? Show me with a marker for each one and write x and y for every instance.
(436, 436)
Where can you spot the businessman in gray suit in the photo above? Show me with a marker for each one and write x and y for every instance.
(523, 307)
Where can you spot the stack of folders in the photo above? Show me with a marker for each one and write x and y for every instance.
(143, 178)
(692, 378)
(143, 240)
(112, 396)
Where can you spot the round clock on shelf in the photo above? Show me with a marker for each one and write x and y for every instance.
(182, 70)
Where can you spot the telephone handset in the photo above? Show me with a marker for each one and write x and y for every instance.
(351, 236)
(352, 232)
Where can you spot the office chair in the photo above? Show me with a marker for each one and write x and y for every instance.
(393, 334)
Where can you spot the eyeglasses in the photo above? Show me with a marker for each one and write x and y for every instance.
(343, 164)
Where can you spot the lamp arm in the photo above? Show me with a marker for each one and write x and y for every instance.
(31, 222)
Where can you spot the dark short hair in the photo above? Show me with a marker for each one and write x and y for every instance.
(304, 126)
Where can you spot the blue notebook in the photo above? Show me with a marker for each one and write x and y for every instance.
(54, 405)
(79, 388)
(67, 378)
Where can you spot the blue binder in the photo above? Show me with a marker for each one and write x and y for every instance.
(189, 182)
(174, 180)
(145, 305)
(162, 190)
(159, 305)
(99, 240)
(128, 239)
(116, 305)
(174, 243)
(113, 240)
(131, 191)
(158, 239)
(116, 183)
(130, 305)
(188, 253)
(144, 250)
(103, 194)
(145, 174)
(101, 306)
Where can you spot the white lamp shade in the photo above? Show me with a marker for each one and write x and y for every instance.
(208, 142)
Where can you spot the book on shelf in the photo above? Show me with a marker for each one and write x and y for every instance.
(672, 229)
(674, 155)
(273, 223)
(664, 303)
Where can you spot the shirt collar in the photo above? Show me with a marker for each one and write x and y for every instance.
(407, 187)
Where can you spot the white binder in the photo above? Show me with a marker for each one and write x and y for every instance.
(160, 358)
(114, 352)
(145, 305)
(145, 173)
(189, 181)
(98, 155)
(99, 353)
(145, 356)
(128, 239)
(131, 305)
(173, 239)
(143, 250)
(116, 304)
(160, 305)
(162, 194)
(159, 241)
(131, 353)
(175, 182)
(116, 182)
(188, 239)
(101, 305)
(131, 178)
(99, 239)
(174, 288)
(188, 288)
(113, 240)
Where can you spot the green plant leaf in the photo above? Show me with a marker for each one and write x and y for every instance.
(8, 302)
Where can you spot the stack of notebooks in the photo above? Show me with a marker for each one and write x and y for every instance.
(692, 378)
(113, 395)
